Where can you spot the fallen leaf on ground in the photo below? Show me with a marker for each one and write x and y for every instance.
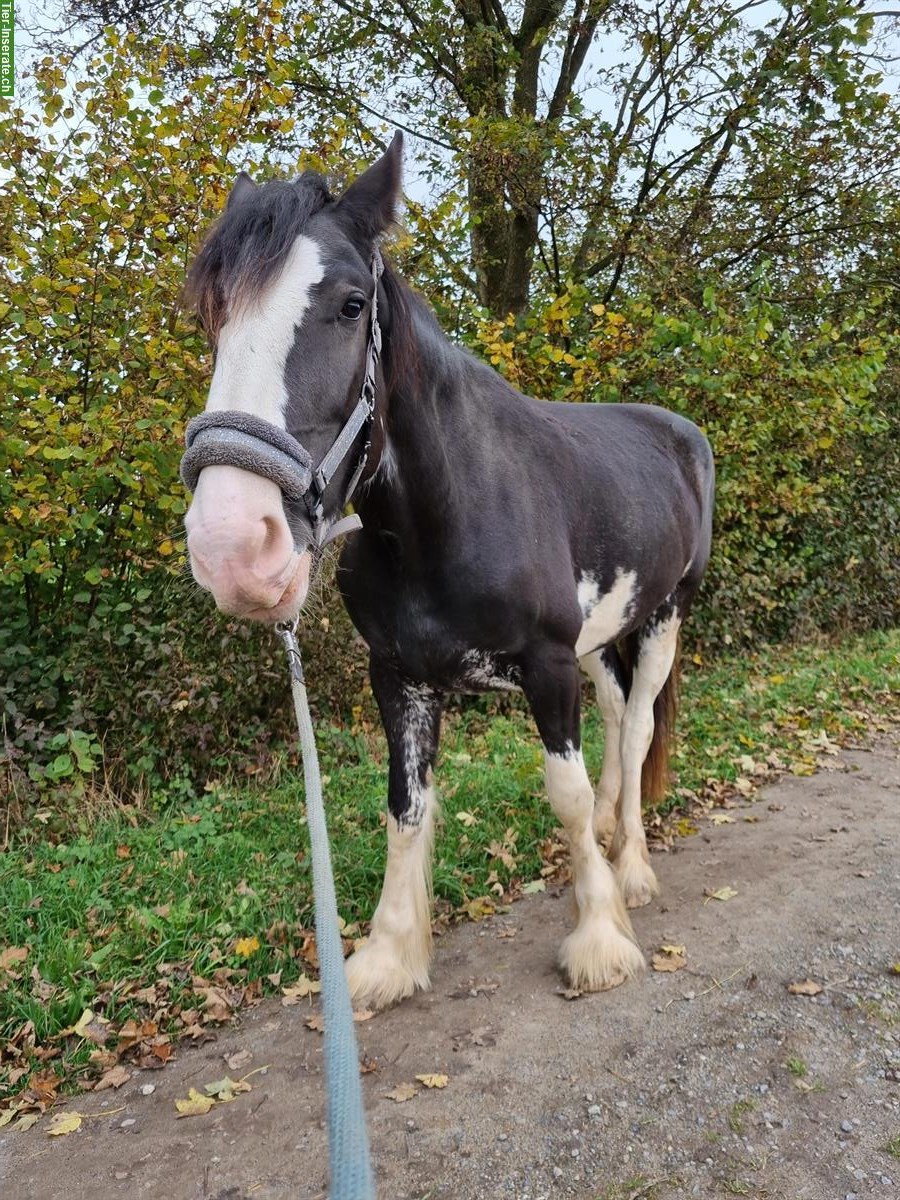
(719, 818)
(434, 1081)
(195, 1105)
(63, 1122)
(466, 818)
(26, 1121)
(316, 1022)
(241, 1058)
(298, 991)
(569, 993)
(367, 1064)
(12, 955)
(363, 1014)
(807, 987)
(226, 1089)
(402, 1092)
(113, 1078)
(536, 885)
(669, 958)
(723, 893)
(246, 946)
(90, 1026)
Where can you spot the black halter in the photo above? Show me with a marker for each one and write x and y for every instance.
(237, 439)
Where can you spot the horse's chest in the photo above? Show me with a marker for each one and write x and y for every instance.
(433, 643)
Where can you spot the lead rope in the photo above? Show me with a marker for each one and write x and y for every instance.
(348, 1140)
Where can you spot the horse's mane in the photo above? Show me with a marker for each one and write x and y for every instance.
(249, 245)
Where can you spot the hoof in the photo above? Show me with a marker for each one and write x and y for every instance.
(378, 977)
(636, 878)
(598, 955)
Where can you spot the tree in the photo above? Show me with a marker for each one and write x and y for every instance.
(633, 144)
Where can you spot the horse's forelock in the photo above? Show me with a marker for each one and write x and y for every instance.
(249, 244)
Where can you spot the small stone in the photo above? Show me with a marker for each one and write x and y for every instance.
(502, 1137)
(127, 1122)
(846, 1126)
(148, 1089)
(121, 1174)
(595, 1111)
(557, 1173)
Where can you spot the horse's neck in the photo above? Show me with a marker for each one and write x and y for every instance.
(422, 464)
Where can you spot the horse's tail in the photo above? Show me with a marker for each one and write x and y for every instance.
(655, 774)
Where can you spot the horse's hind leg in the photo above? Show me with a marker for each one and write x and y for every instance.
(656, 644)
(394, 961)
(604, 669)
(601, 951)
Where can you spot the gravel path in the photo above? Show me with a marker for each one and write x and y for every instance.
(712, 1081)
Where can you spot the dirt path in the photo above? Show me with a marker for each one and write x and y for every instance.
(671, 1086)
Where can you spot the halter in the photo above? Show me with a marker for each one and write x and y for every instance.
(239, 439)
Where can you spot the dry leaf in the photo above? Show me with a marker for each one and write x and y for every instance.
(298, 991)
(113, 1078)
(26, 1121)
(246, 946)
(720, 818)
(241, 1058)
(367, 1064)
(316, 1022)
(363, 1014)
(62, 1123)
(669, 958)
(536, 885)
(723, 893)
(91, 1027)
(808, 987)
(402, 1092)
(196, 1104)
(226, 1089)
(569, 993)
(434, 1081)
(12, 955)
(466, 818)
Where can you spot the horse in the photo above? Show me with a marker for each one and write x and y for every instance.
(507, 542)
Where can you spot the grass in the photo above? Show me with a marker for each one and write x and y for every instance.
(737, 1112)
(797, 1067)
(893, 1147)
(148, 901)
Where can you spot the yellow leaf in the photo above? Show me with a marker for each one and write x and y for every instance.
(467, 819)
(402, 1092)
(166, 548)
(246, 946)
(63, 1122)
(196, 1104)
(808, 987)
(226, 1089)
(669, 958)
(434, 1081)
(300, 990)
(724, 893)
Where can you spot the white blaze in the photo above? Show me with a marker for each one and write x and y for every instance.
(255, 341)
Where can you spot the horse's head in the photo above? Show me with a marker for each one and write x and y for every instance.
(284, 286)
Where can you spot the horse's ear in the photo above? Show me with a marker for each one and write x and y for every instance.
(243, 189)
(369, 204)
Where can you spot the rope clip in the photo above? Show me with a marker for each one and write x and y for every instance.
(287, 631)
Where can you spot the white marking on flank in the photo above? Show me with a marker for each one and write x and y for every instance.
(255, 341)
(604, 616)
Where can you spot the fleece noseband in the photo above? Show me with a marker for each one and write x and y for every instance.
(239, 439)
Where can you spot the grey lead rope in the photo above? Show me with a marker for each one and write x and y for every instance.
(348, 1140)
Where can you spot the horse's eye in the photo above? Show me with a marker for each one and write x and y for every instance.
(353, 307)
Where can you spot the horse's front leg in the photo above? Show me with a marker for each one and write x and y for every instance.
(394, 961)
(601, 951)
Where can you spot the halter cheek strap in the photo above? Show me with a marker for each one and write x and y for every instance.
(239, 439)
